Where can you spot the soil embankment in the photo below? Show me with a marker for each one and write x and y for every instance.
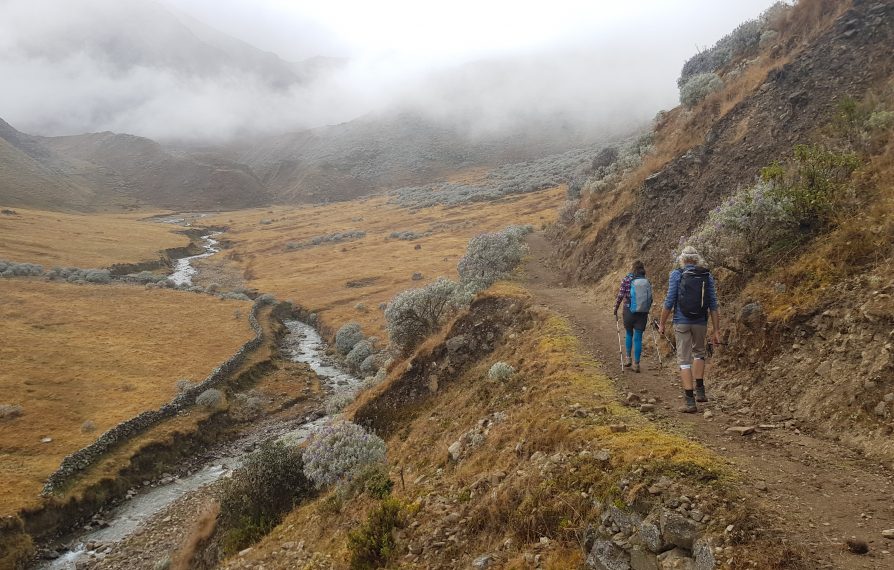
(821, 493)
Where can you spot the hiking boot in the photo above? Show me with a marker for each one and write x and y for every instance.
(627, 362)
(689, 406)
(700, 395)
(636, 366)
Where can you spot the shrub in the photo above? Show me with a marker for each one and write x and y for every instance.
(338, 452)
(500, 371)
(568, 211)
(339, 401)
(268, 485)
(361, 351)
(184, 384)
(490, 257)
(326, 239)
(232, 296)
(212, 399)
(360, 307)
(265, 299)
(742, 40)
(373, 544)
(813, 183)
(768, 38)
(10, 411)
(347, 336)
(143, 277)
(416, 313)
(247, 407)
(698, 87)
(743, 228)
(12, 269)
(97, 276)
(370, 364)
(880, 121)
(88, 427)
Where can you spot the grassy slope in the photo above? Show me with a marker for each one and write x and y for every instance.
(505, 498)
(316, 277)
(100, 353)
(80, 240)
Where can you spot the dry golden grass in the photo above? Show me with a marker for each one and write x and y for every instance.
(100, 353)
(317, 277)
(83, 240)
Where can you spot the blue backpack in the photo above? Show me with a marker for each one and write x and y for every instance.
(640, 295)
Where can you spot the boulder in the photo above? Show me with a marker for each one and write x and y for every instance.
(704, 555)
(678, 530)
(642, 559)
(650, 536)
(676, 559)
(606, 556)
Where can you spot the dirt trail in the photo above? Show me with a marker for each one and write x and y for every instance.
(817, 491)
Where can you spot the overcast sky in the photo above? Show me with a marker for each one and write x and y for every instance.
(596, 60)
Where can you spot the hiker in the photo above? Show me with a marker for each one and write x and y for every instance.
(636, 295)
(692, 296)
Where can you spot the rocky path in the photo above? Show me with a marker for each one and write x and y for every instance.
(820, 493)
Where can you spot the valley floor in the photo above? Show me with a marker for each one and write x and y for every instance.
(820, 493)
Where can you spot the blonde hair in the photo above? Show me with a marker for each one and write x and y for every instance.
(690, 255)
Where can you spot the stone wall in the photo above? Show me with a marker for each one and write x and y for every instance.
(75, 463)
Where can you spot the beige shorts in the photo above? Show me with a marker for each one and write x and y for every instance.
(690, 343)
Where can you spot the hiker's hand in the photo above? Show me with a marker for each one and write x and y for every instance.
(660, 328)
(716, 339)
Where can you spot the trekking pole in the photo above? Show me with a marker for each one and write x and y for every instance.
(620, 348)
(657, 349)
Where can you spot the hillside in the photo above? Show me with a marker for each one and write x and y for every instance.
(806, 296)
(151, 175)
(382, 152)
(32, 175)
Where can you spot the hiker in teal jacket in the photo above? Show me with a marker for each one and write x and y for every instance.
(634, 322)
(692, 296)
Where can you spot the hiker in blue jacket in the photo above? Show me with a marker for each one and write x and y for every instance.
(692, 296)
(636, 295)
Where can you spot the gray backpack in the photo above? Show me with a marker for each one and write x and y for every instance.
(640, 295)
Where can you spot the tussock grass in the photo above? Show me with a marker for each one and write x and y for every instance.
(73, 354)
(83, 240)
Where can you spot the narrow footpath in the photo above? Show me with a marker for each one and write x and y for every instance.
(819, 493)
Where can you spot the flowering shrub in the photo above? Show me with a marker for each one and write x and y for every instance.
(338, 452)
(339, 401)
(740, 229)
(416, 313)
(500, 372)
(698, 87)
(347, 336)
(490, 257)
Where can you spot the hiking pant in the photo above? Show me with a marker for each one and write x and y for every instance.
(635, 341)
(690, 343)
(635, 324)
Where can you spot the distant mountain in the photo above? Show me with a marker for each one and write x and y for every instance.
(108, 171)
(151, 175)
(376, 153)
(33, 175)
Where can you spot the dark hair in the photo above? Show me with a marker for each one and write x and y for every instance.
(638, 268)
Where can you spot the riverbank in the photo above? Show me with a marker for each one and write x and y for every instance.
(153, 518)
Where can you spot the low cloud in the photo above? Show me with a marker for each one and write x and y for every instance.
(135, 66)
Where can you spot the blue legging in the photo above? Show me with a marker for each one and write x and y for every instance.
(635, 338)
